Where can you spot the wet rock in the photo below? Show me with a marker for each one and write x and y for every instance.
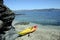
(22, 23)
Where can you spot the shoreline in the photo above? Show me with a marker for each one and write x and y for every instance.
(42, 33)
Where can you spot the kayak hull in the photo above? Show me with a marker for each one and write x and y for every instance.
(28, 30)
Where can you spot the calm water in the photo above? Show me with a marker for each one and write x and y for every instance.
(45, 18)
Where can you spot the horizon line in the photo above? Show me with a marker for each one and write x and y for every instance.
(37, 9)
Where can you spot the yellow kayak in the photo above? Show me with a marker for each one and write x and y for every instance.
(28, 30)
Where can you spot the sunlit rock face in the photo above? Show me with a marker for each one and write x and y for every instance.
(1, 23)
(6, 18)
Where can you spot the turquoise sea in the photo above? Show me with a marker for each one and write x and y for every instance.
(39, 17)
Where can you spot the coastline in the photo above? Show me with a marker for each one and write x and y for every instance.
(42, 33)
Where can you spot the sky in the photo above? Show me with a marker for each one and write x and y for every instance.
(32, 4)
